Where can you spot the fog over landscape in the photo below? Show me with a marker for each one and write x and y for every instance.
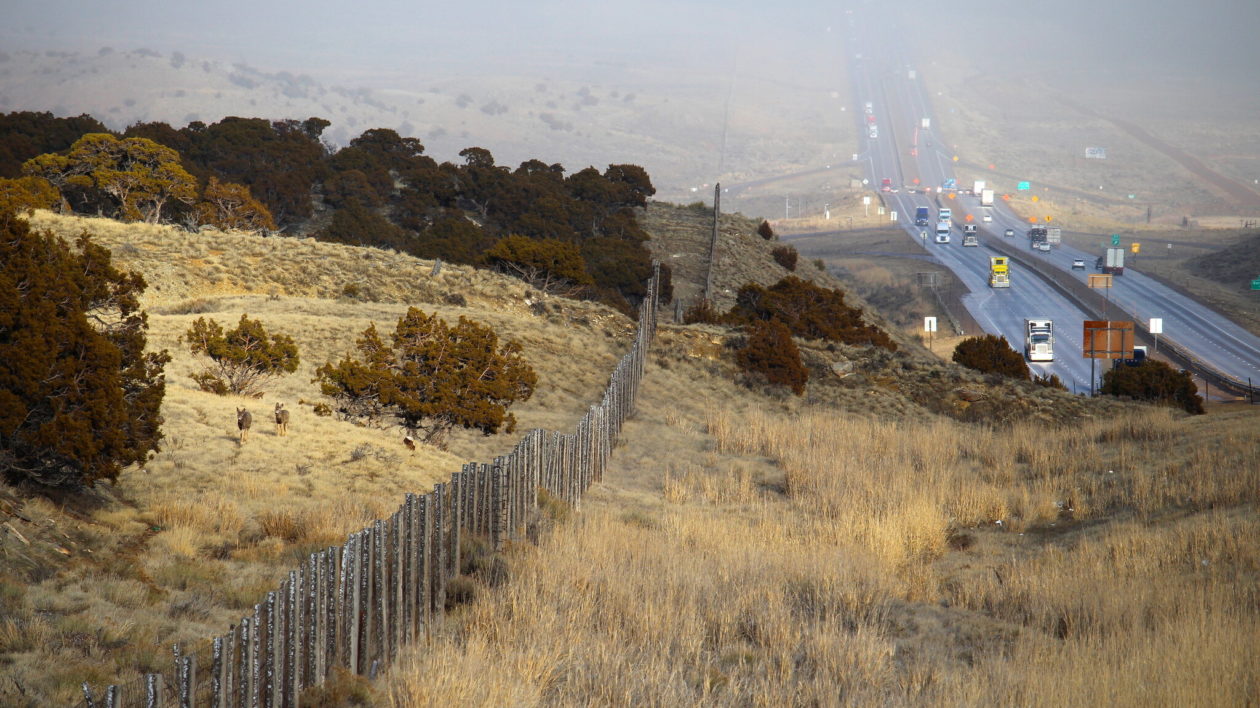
(670, 353)
(695, 91)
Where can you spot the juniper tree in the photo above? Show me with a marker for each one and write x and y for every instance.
(242, 360)
(432, 378)
(80, 397)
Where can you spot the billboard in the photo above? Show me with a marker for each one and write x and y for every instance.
(1105, 339)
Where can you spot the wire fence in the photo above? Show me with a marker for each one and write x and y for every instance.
(356, 606)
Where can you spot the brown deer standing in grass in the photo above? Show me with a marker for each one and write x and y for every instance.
(282, 420)
(243, 421)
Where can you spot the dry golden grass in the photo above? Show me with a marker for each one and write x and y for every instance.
(806, 559)
(745, 548)
(180, 548)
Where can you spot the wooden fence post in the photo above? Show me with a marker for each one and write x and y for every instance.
(426, 560)
(367, 597)
(275, 650)
(380, 596)
(153, 691)
(440, 524)
(409, 579)
(295, 621)
(353, 601)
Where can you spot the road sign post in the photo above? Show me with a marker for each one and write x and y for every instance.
(1102, 281)
(929, 326)
(1156, 328)
(1102, 339)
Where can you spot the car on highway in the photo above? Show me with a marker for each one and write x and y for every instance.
(1043, 246)
(886, 185)
(874, 132)
(1078, 264)
(1009, 233)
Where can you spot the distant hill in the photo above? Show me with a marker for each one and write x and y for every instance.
(1235, 265)
(686, 133)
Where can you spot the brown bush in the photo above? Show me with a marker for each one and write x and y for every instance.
(992, 355)
(1156, 382)
(785, 256)
(702, 312)
(809, 311)
(771, 353)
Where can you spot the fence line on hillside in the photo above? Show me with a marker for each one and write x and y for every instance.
(355, 606)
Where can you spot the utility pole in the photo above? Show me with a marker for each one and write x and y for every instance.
(717, 211)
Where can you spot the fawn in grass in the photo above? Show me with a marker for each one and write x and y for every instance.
(243, 421)
(282, 420)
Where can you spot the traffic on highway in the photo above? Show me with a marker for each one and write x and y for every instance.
(966, 228)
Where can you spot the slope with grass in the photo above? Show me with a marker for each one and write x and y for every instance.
(97, 586)
(777, 558)
(747, 546)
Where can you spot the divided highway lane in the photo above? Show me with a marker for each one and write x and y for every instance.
(1003, 310)
(999, 311)
(1218, 343)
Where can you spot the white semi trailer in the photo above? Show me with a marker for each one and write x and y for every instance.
(1039, 340)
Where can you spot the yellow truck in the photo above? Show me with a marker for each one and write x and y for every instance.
(999, 272)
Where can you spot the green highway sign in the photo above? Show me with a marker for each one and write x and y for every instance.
(1255, 284)
(1115, 239)
(1024, 186)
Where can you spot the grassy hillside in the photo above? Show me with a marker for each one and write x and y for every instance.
(820, 559)
(748, 546)
(99, 585)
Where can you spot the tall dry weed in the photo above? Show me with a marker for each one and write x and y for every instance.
(848, 589)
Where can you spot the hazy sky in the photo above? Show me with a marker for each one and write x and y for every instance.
(321, 37)
(379, 38)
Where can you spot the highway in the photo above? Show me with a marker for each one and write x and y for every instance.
(913, 157)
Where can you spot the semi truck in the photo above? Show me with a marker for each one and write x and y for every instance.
(986, 197)
(977, 187)
(942, 232)
(1037, 235)
(1112, 262)
(945, 214)
(999, 272)
(922, 215)
(1039, 340)
(1054, 235)
(970, 235)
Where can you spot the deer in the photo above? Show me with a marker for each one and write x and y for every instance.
(243, 421)
(410, 442)
(282, 420)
